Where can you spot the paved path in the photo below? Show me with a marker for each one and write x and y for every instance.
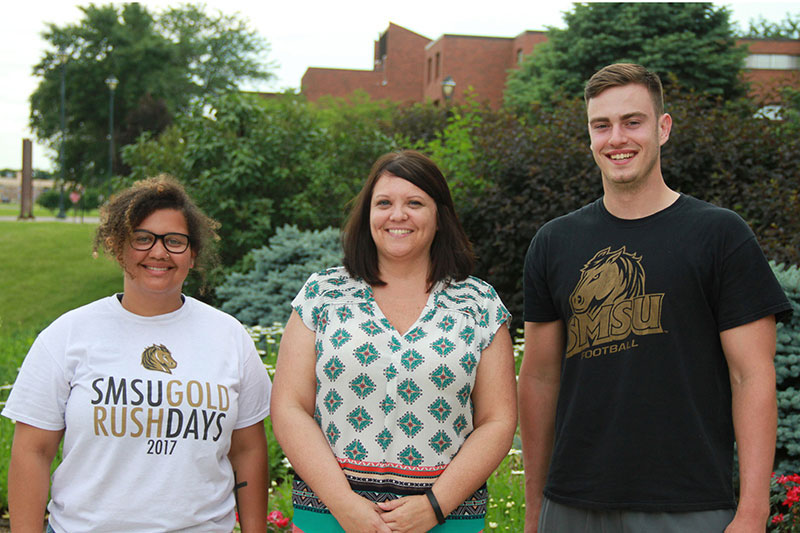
(70, 219)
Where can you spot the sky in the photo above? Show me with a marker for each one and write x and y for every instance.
(302, 34)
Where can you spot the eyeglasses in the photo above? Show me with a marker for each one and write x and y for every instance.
(143, 240)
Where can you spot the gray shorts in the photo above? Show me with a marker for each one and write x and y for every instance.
(558, 518)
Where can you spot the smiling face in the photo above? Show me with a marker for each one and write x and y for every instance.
(402, 220)
(154, 278)
(626, 136)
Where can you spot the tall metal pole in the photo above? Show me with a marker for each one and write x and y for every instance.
(112, 82)
(63, 57)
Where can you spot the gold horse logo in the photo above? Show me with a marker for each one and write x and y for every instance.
(608, 277)
(157, 357)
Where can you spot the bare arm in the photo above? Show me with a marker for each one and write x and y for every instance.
(494, 422)
(32, 454)
(292, 408)
(750, 350)
(248, 456)
(539, 382)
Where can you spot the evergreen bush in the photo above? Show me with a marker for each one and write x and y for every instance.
(787, 373)
(274, 274)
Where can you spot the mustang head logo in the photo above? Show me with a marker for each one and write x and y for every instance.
(157, 357)
(606, 278)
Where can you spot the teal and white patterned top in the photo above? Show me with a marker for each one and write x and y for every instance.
(394, 408)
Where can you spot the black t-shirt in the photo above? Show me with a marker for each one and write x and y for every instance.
(644, 411)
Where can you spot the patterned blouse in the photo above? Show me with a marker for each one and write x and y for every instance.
(394, 408)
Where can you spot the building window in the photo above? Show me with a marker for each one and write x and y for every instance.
(430, 61)
(519, 56)
(438, 62)
(772, 62)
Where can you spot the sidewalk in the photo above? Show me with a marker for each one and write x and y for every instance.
(70, 219)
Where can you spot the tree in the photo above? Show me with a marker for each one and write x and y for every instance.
(689, 42)
(256, 164)
(761, 28)
(163, 63)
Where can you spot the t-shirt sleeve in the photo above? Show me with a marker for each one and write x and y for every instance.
(748, 288)
(40, 392)
(256, 387)
(308, 301)
(494, 315)
(538, 301)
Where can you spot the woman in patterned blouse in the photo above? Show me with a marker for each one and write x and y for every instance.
(394, 395)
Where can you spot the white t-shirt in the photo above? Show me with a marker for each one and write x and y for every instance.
(148, 405)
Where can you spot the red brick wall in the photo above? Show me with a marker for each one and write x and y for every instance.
(318, 82)
(476, 64)
(526, 42)
(398, 78)
(765, 84)
(764, 46)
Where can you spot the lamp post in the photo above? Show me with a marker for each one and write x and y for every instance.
(62, 57)
(112, 83)
(448, 88)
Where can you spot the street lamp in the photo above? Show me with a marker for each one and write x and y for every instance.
(112, 83)
(448, 88)
(62, 57)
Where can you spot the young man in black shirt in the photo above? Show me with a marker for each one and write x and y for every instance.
(649, 344)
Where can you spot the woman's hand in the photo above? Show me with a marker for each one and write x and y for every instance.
(356, 514)
(408, 514)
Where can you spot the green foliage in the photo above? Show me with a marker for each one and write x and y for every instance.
(453, 151)
(275, 274)
(50, 199)
(789, 113)
(163, 63)
(761, 28)
(418, 124)
(256, 164)
(538, 169)
(722, 152)
(787, 371)
(690, 42)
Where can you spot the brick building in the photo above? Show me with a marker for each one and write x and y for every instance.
(771, 65)
(399, 56)
(411, 68)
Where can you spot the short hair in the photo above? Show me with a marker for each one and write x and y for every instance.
(621, 74)
(451, 252)
(127, 209)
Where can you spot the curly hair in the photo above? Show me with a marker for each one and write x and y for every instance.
(127, 209)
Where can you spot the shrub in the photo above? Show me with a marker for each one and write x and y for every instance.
(785, 503)
(275, 273)
(538, 167)
(49, 199)
(787, 371)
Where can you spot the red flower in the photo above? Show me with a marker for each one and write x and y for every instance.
(276, 518)
(792, 496)
(778, 518)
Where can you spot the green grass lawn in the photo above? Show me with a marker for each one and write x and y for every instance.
(46, 269)
(13, 210)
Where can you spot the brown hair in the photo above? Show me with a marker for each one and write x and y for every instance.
(126, 210)
(621, 74)
(451, 251)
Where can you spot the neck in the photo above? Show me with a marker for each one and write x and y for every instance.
(151, 306)
(633, 203)
(405, 273)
